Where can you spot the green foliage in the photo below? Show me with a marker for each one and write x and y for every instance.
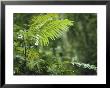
(32, 54)
(49, 44)
(45, 27)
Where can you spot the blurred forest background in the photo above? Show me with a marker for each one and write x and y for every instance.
(55, 44)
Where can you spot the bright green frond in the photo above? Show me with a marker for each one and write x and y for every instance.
(48, 26)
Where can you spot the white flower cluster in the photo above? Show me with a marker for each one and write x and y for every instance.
(20, 36)
(37, 40)
(88, 66)
(36, 43)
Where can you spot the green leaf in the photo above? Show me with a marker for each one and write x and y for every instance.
(48, 27)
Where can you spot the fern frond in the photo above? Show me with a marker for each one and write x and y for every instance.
(48, 27)
(53, 30)
(32, 54)
(38, 21)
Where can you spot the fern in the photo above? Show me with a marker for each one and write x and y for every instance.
(40, 30)
(46, 27)
(32, 54)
